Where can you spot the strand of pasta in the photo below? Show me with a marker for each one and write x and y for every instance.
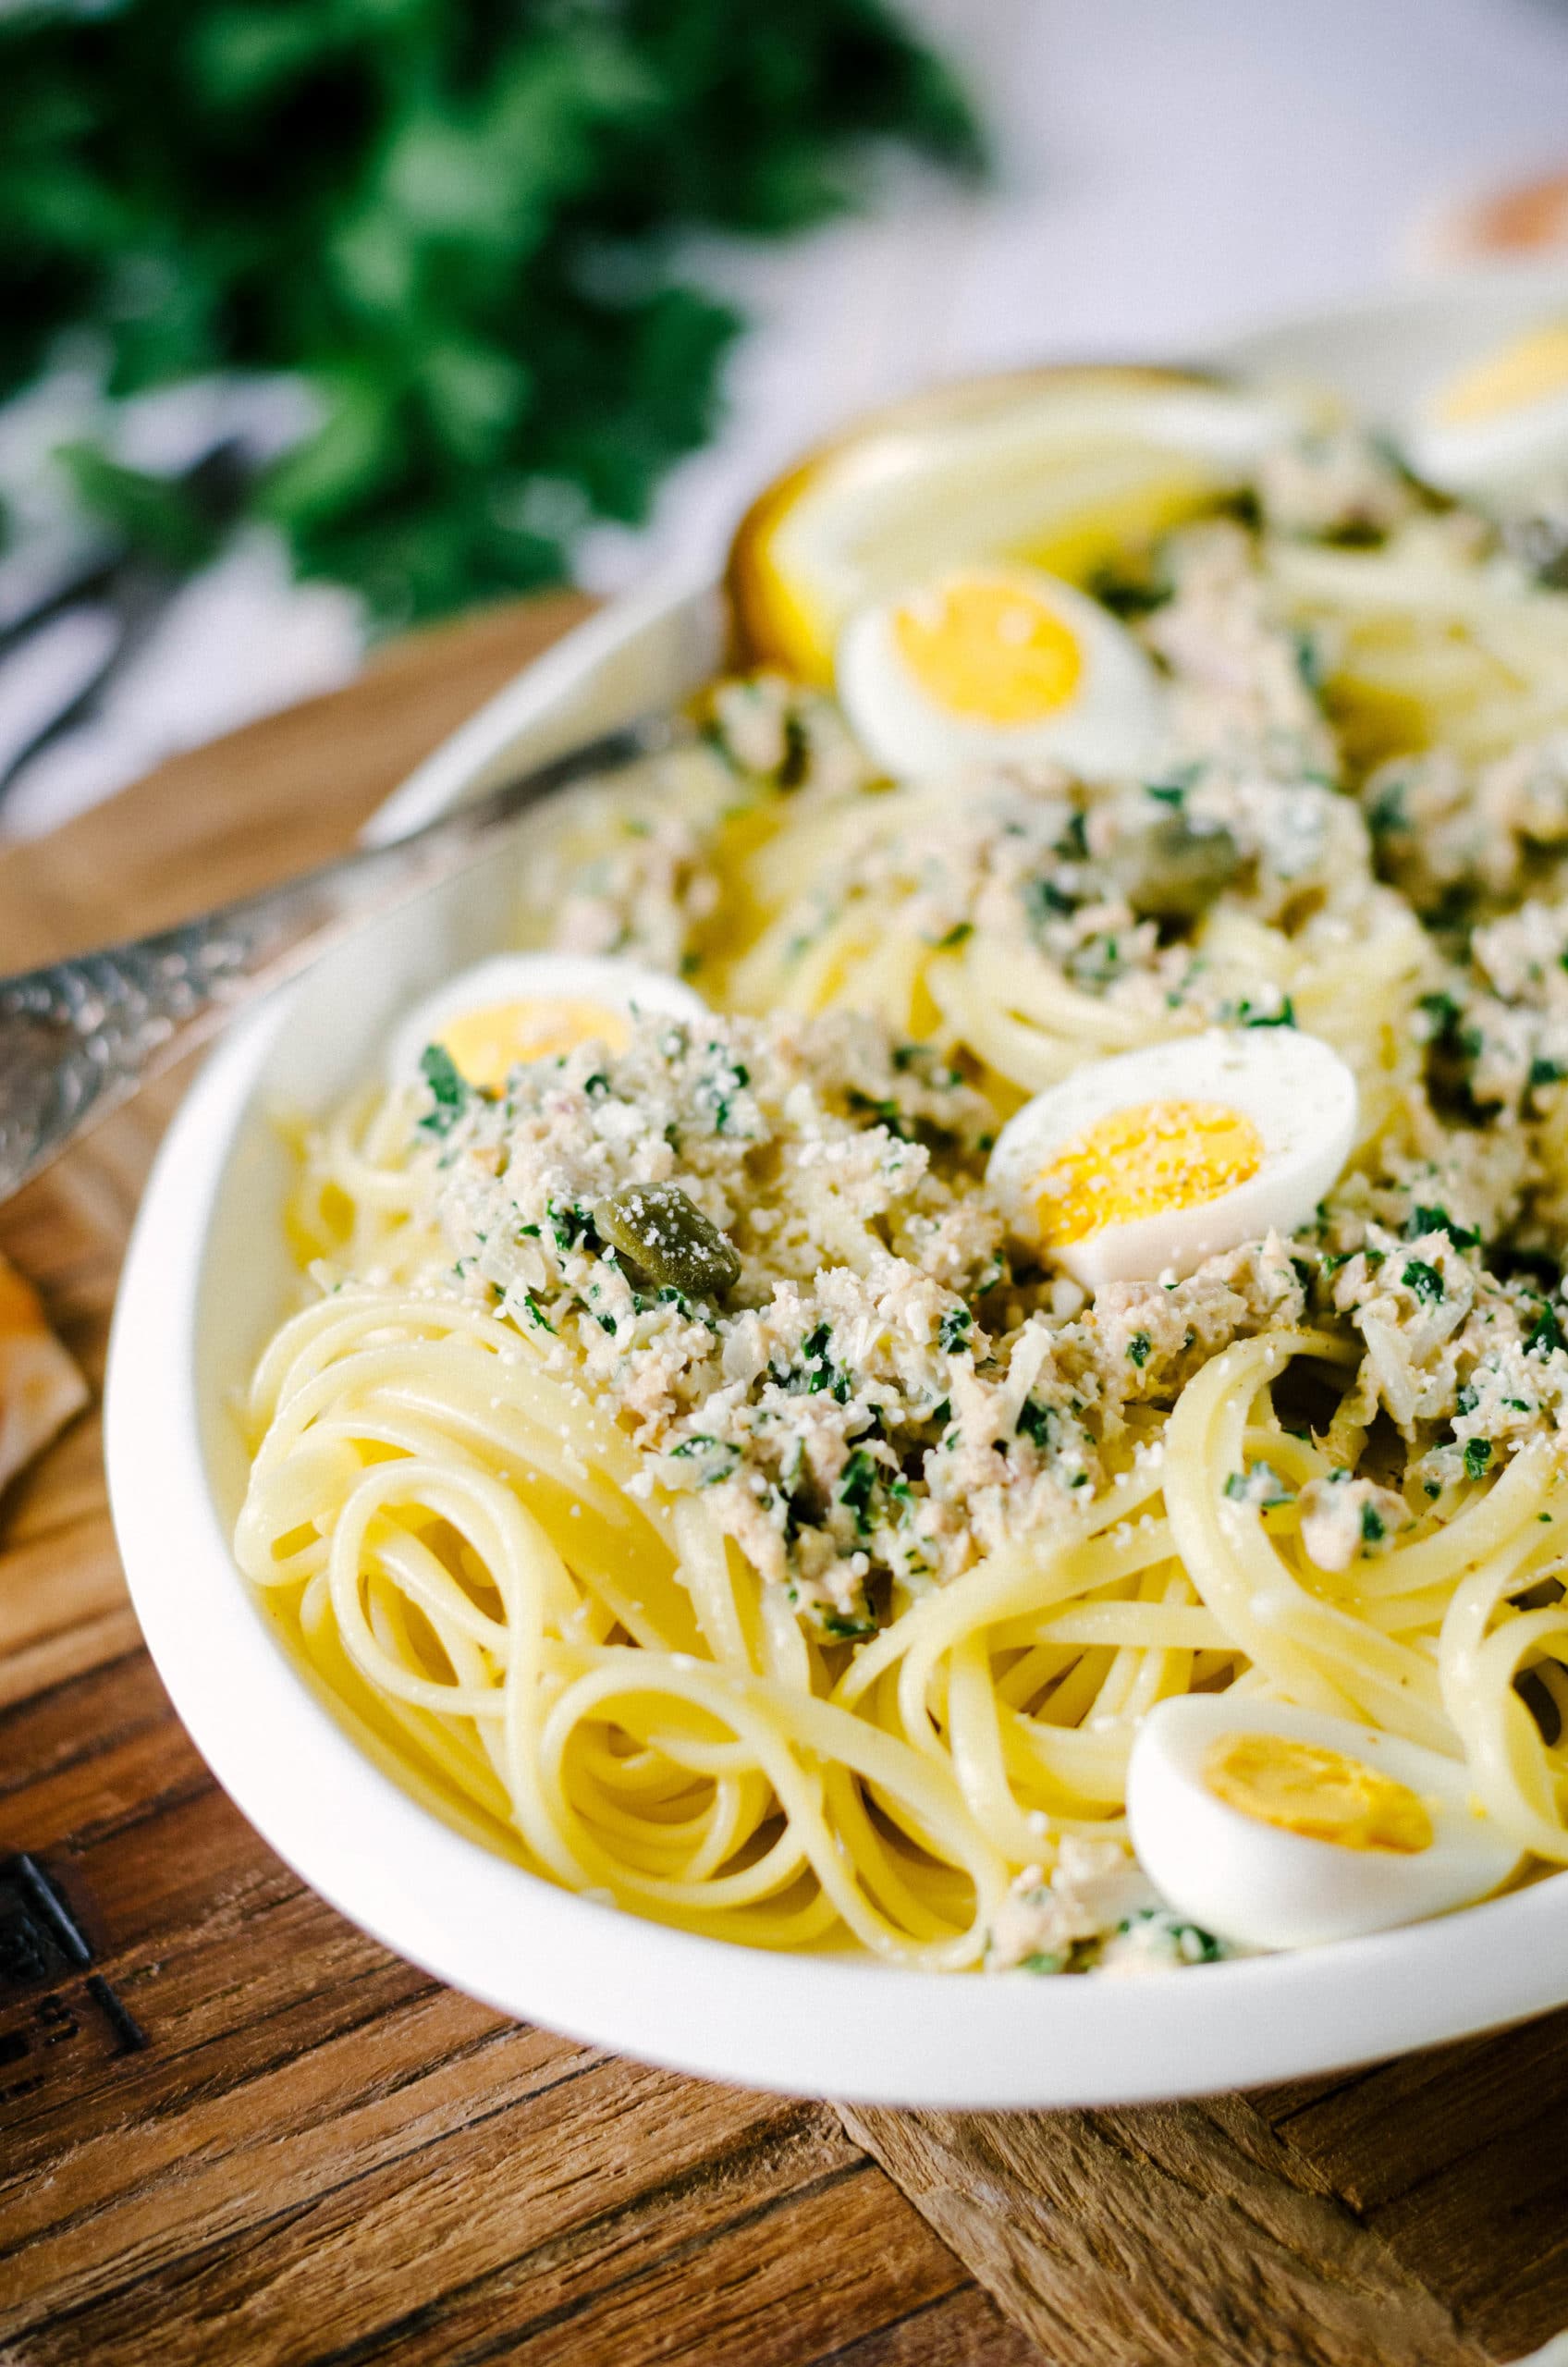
(572, 1666)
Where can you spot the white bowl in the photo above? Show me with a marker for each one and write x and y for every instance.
(207, 1277)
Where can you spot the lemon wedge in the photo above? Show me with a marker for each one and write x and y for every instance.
(1062, 469)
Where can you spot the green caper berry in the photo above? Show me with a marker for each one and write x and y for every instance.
(1173, 870)
(667, 1237)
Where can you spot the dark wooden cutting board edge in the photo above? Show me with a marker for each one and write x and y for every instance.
(320, 2156)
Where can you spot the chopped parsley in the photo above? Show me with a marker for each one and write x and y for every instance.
(1477, 1457)
(1443, 1013)
(718, 1092)
(1044, 900)
(1423, 1219)
(1387, 814)
(717, 1455)
(1423, 1279)
(448, 1093)
(856, 1484)
(1138, 1348)
(954, 1330)
(1036, 1423)
(1546, 1331)
(816, 1367)
(1188, 1940)
(886, 1112)
(1261, 1487)
(846, 1627)
(573, 1228)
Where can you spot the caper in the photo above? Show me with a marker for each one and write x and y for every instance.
(667, 1239)
(1173, 870)
(1537, 536)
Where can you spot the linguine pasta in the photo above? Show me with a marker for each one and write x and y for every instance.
(827, 1614)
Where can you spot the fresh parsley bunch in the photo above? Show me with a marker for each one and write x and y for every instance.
(456, 217)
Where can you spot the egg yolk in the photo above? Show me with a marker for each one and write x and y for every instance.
(1535, 365)
(485, 1045)
(990, 649)
(1143, 1161)
(1322, 1795)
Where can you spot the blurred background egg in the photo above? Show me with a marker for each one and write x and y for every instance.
(1500, 423)
(1276, 1827)
(1150, 1163)
(1001, 663)
(531, 1007)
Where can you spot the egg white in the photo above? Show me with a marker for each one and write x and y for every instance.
(535, 977)
(1495, 455)
(1294, 1088)
(1110, 725)
(1263, 1888)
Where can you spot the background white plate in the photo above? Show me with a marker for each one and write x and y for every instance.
(206, 1278)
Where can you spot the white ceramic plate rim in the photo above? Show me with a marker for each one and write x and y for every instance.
(800, 2024)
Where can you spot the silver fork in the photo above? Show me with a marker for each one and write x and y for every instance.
(80, 1036)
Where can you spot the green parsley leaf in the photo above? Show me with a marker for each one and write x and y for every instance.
(1423, 1279)
(1036, 1422)
(1546, 1331)
(953, 1331)
(466, 229)
(448, 1093)
(1423, 1219)
(717, 1457)
(856, 1484)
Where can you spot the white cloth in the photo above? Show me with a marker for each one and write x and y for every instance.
(1169, 169)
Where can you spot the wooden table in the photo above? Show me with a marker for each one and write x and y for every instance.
(234, 2130)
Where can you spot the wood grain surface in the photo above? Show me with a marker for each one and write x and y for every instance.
(235, 2131)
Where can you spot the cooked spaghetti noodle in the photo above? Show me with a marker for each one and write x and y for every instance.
(824, 1607)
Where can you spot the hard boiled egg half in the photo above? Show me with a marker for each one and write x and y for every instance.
(1277, 1827)
(993, 662)
(1499, 423)
(521, 1007)
(1146, 1164)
